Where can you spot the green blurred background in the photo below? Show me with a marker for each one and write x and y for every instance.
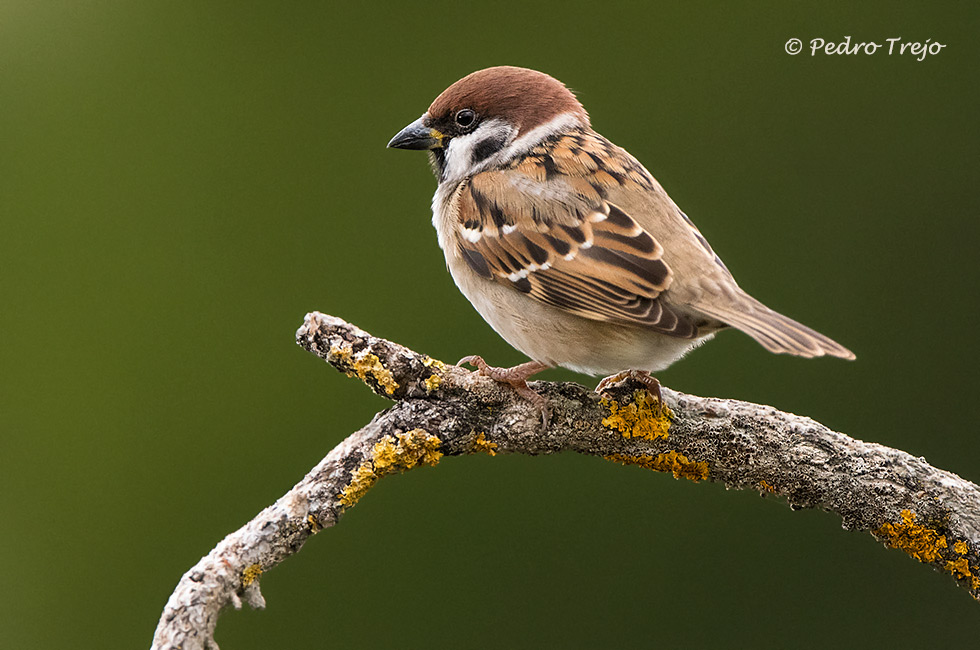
(181, 181)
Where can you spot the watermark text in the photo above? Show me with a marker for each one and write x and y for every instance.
(896, 46)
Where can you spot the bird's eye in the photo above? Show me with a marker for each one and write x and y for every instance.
(465, 118)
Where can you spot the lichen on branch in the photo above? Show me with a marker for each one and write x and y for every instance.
(443, 411)
(391, 455)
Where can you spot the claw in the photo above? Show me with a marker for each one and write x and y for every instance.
(474, 360)
(516, 378)
(642, 376)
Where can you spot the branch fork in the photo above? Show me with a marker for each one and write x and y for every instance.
(442, 410)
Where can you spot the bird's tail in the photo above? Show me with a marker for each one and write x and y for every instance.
(773, 331)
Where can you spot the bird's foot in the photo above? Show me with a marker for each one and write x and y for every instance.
(516, 378)
(642, 376)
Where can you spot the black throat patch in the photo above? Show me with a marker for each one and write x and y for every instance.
(437, 160)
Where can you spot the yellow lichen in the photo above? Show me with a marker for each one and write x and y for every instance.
(921, 542)
(432, 383)
(384, 454)
(366, 364)
(419, 447)
(361, 480)
(342, 354)
(646, 417)
(391, 455)
(428, 362)
(672, 461)
(251, 574)
(315, 526)
(767, 486)
(363, 365)
(480, 443)
(959, 568)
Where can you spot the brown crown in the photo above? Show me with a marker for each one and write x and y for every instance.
(525, 98)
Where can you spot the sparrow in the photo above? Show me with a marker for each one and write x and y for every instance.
(567, 246)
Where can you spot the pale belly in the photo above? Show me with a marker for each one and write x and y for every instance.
(555, 337)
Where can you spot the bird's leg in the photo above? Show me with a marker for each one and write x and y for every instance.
(516, 378)
(642, 376)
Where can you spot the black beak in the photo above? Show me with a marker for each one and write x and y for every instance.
(417, 136)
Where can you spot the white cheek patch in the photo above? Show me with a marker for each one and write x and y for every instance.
(458, 155)
(495, 142)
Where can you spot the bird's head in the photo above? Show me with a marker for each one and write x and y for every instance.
(490, 115)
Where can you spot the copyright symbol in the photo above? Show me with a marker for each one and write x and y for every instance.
(794, 46)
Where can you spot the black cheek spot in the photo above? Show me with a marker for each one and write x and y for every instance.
(486, 148)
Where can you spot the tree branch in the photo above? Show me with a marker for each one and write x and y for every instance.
(931, 514)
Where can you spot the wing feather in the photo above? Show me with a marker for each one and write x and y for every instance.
(563, 244)
(545, 225)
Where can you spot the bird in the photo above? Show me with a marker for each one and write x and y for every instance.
(568, 247)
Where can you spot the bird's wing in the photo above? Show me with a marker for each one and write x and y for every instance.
(552, 235)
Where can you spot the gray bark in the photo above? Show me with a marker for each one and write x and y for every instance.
(931, 514)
